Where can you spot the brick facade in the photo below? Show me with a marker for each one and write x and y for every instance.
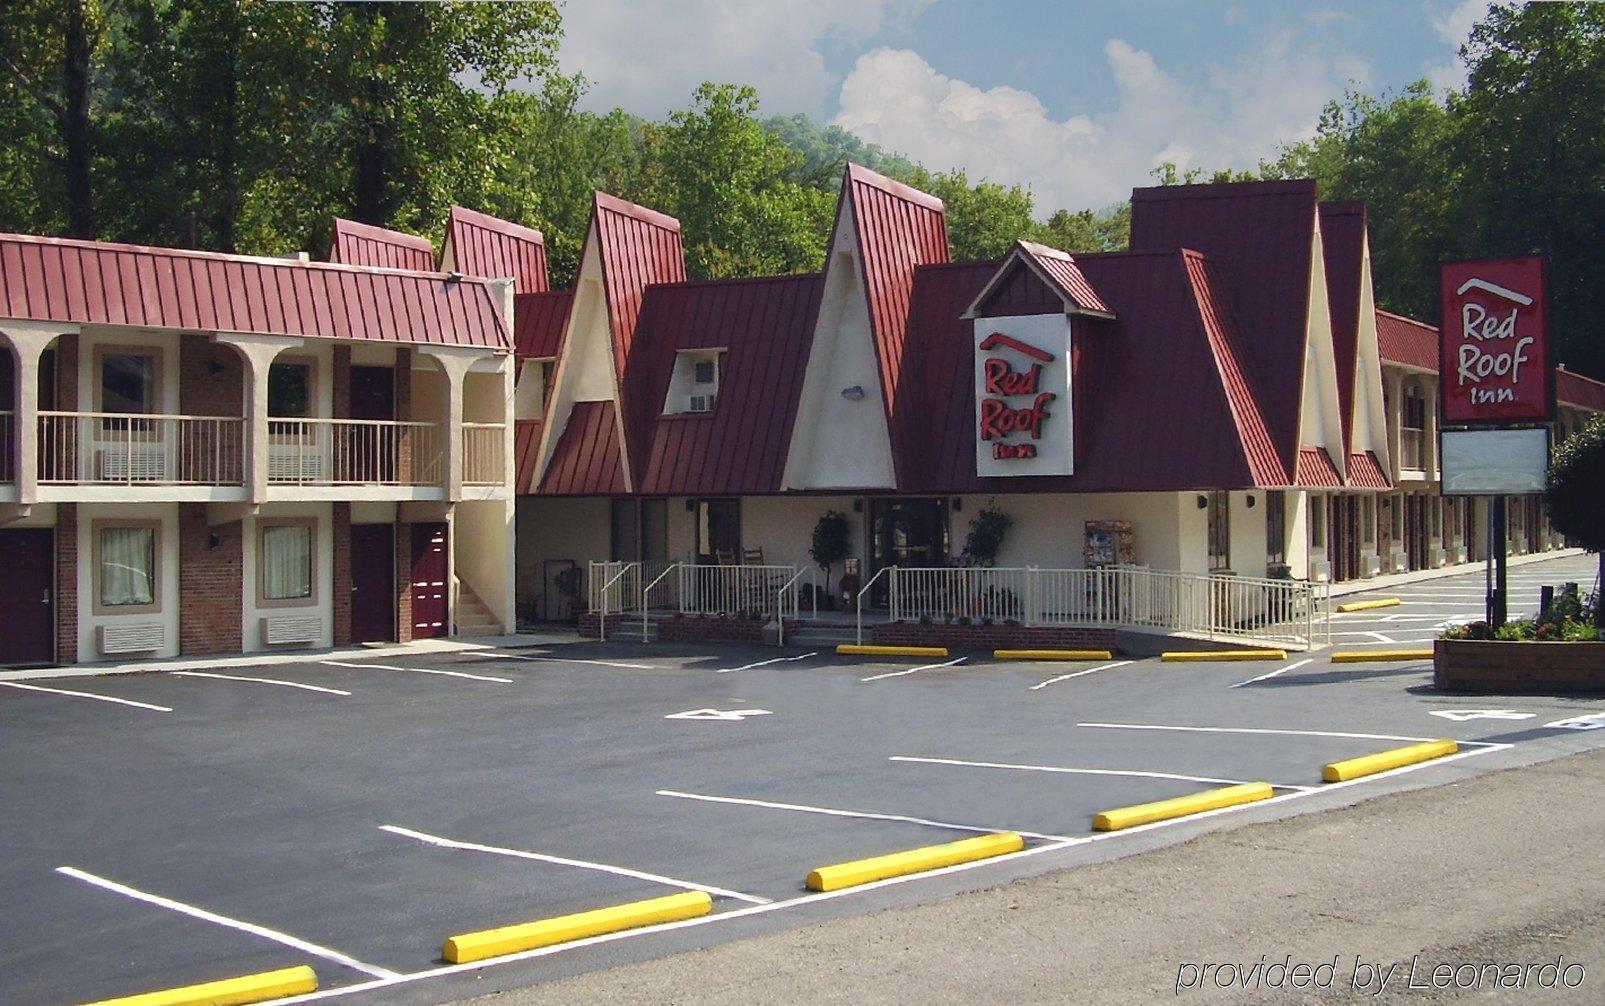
(992, 637)
(66, 583)
(403, 582)
(340, 361)
(210, 583)
(211, 378)
(341, 602)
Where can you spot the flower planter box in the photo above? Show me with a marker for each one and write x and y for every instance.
(1495, 667)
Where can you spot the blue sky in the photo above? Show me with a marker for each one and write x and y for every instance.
(1076, 99)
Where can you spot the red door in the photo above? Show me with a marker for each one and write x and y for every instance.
(372, 450)
(27, 597)
(429, 596)
(373, 583)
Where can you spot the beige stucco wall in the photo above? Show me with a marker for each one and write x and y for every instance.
(482, 553)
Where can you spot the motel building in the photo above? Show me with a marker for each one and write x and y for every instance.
(1223, 400)
(214, 454)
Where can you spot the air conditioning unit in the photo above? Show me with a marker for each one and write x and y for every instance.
(701, 403)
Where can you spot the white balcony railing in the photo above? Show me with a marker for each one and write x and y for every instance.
(107, 448)
(8, 472)
(484, 461)
(338, 452)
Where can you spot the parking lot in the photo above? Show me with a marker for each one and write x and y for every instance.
(169, 828)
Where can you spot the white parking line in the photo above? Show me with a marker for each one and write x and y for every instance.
(620, 871)
(1085, 771)
(866, 815)
(1375, 636)
(913, 670)
(1077, 674)
(418, 670)
(565, 660)
(764, 663)
(87, 695)
(1280, 670)
(1267, 730)
(224, 920)
(259, 681)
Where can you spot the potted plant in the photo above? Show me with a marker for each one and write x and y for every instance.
(832, 542)
(985, 539)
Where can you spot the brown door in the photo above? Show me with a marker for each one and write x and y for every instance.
(27, 597)
(373, 583)
(430, 603)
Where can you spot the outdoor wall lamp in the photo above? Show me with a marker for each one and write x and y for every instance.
(854, 394)
(958, 503)
(1251, 501)
(213, 542)
(1203, 502)
(216, 369)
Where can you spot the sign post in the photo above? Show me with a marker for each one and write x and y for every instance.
(1496, 393)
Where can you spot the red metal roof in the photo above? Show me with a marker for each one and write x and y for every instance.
(1061, 270)
(1366, 471)
(1166, 375)
(487, 246)
(898, 228)
(587, 460)
(1343, 232)
(766, 327)
(90, 282)
(1407, 341)
(526, 453)
(1316, 470)
(364, 244)
(539, 323)
(1575, 389)
(1261, 236)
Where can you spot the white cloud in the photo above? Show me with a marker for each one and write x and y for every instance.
(649, 57)
(1453, 23)
(1239, 114)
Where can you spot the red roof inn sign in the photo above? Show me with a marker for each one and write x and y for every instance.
(1022, 396)
(1494, 349)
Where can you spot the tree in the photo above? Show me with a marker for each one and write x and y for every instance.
(1573, 499)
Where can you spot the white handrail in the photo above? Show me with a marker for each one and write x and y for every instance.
(601, 629)
(646, 594)
(780, 607)
(859, 636)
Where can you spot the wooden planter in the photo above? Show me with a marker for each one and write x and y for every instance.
(1493, 667)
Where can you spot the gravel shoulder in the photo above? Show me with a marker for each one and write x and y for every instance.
(1506, 868)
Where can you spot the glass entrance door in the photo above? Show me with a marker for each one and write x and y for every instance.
(906, 532)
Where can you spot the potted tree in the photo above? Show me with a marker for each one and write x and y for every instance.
(985, 539)
(832, 543)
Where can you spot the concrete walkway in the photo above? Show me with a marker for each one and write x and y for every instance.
(1417, 576)
(1508, 868)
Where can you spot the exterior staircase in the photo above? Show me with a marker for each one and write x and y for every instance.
(473, 618)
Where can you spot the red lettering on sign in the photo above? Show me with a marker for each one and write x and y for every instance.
(1006, 452)
(999, 420)
(1002, 379)
(1493, 352)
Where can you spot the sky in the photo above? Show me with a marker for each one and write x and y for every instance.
(1077, 99)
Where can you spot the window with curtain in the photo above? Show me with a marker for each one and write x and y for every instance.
(286, 562)
(127, 566)
(290, 390)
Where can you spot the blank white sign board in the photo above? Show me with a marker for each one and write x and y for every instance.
(1495, 462)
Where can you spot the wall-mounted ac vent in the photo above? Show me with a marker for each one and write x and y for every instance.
(279, 629)
(701, 403)
(131, 637)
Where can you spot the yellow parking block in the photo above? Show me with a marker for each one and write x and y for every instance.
(931, 857)
(1365, 656)
(1181, 806)
(565, 928)
(865, 650)
(1381, 602)
(1202, 656)
(1052, 655)
(1382, 761)
(255, 988)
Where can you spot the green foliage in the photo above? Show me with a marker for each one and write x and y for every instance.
(985, 538)
(1575, 494)
(1526, 630)
(832, 540)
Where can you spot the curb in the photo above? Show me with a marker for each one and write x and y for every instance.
(1052, 655)
(1204, 656)
(1363, 656)
(468, 947)
(1381, 602)
(931, 857)
(866, 650)
(255, 988)
(1181, 806)
(1382, 761)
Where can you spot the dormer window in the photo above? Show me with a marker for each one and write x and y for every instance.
(694, 385)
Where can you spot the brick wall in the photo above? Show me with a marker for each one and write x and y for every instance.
(67, 373)
(992, 637)
(403, 582)
(67, 582)
(210, 583)
(211, 378)
(341, 359)
(341, 601)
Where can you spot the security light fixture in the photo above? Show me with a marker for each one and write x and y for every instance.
(1251, 501)
(854, 394)
(1203, 502)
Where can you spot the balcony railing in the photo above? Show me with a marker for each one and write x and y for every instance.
(109, 448)
(483, 457)
(8, 472)
(1411, 456)
(340, 452)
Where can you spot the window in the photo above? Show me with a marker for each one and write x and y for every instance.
(719, 531)
(640, 530)
(694, 385)
(1412, 435)
(286, 560)
(1318, 522)
(1275, 527)
(126, 568)
(290, 390)
(1220, 530)
(130, 381)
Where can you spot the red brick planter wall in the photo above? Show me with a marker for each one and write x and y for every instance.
(992, 637)
(1495, 667)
